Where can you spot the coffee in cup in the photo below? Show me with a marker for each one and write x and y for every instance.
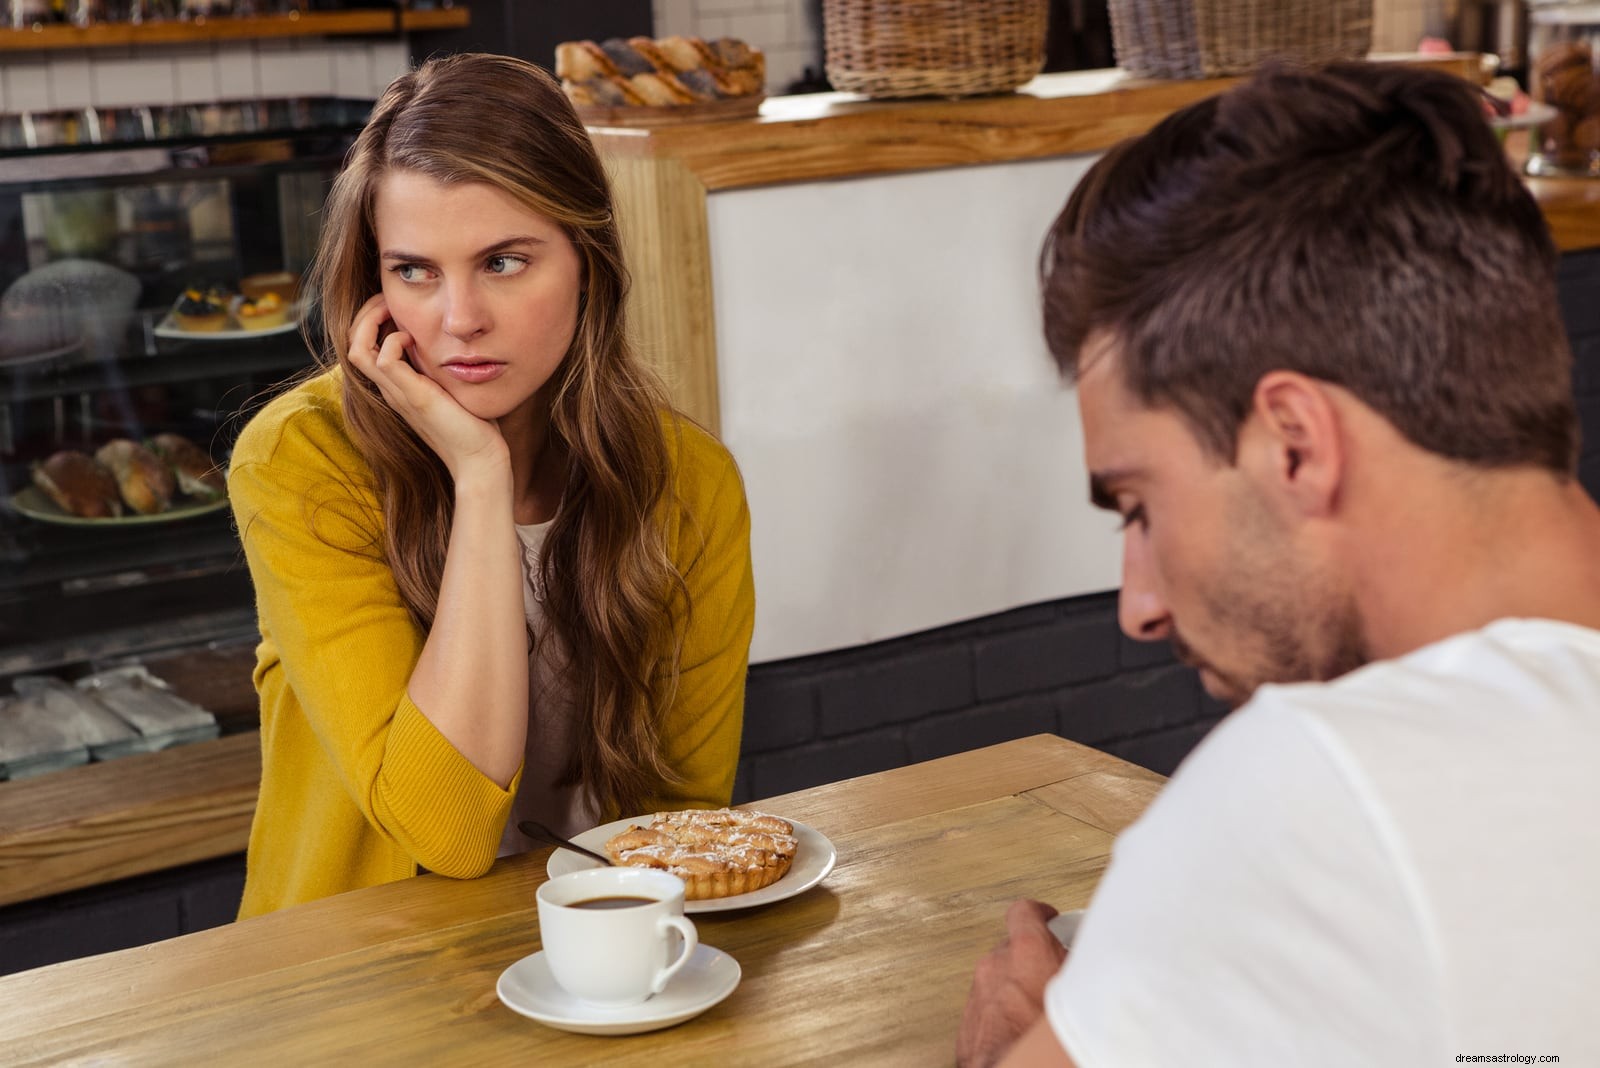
(614, 936)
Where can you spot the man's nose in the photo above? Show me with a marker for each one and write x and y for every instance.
(465, 316)
(1141, 610)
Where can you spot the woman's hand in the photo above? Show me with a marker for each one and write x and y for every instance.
(458, 437)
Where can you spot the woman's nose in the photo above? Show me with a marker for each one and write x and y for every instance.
(465, 316)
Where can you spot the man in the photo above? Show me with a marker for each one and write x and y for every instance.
(1323, 379)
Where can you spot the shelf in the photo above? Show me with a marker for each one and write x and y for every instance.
(444, 18)
(172, 362)
(228, 28)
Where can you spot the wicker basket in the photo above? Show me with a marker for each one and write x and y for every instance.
(1213, 38)
(900, 48)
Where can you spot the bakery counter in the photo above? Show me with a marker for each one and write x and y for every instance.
(845, 290)
(149, 812)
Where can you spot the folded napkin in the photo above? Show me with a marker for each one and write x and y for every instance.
(91, 723)
(161, 717)
(34, 741)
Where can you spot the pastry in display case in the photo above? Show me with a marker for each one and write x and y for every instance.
(150, 263)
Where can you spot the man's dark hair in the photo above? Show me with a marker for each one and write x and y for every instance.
(1358, 223)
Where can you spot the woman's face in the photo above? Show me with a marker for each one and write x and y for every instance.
(487, 289)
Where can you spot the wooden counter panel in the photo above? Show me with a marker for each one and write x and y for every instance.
(1572, 208)
(106, 821)
(661, 216)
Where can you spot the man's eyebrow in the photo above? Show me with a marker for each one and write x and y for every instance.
(483, 253)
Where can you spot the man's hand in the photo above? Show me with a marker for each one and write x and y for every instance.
(1007, 995)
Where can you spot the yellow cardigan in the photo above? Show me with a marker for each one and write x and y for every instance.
(357, 786)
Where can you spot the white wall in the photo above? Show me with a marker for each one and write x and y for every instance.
(782, 29)
(199, 73)
(910, 456)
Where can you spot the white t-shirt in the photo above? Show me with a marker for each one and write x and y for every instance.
(1395, 868)
(550, 721)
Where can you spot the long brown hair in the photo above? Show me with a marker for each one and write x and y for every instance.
(1358, 223)
(611, 592)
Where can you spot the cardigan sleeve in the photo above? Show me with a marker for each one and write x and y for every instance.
(329, 605)
(702, 728)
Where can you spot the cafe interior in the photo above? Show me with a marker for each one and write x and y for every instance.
(939, 699)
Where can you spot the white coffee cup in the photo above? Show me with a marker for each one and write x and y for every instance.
(608, 953)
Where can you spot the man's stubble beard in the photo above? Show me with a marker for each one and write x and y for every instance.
(1290, 622)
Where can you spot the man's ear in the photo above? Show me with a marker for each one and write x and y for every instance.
(1292, 441)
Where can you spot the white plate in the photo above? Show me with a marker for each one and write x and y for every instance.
(1537, 115)
(813, 860)
(32, 502)
(168, 327)
(528, 987)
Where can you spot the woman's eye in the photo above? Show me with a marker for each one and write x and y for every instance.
(505, 264)
(1133, 517)
(410, 272)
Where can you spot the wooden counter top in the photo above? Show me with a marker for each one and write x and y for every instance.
(825, 136)
(871, 967)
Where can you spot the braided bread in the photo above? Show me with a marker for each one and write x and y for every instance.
(670, 72)
(717, 852)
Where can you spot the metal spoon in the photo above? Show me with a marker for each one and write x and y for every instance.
(542, 833)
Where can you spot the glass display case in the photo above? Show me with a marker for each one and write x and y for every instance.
(1564, 40)
(112, 223)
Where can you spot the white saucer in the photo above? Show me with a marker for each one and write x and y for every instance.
(527, 987)
(813, 860)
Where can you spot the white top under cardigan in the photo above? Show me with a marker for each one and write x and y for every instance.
(550, 720)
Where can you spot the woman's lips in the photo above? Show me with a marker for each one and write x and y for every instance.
(475, 371)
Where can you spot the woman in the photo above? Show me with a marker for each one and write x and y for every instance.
(496, 577)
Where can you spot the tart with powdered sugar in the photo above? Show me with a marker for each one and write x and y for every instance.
(716, 852)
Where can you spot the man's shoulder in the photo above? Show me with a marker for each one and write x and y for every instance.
(1475, 700)
(1433, 739)
(1521, 662)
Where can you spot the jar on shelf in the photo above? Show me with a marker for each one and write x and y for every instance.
(20, 14)
(1564, 43)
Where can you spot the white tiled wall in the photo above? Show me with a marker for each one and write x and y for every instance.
(783, 29)
(113, 77)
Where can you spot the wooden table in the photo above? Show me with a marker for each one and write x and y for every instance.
(872, 967)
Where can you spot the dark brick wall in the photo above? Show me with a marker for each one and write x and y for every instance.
(1060, 667)
(1580, 307)
(120, 915)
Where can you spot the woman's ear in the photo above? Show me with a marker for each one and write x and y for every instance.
(1292, 442)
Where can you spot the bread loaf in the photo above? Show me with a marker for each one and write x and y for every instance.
(145, 482)
(669, 72)
(196, 474)
(79, 485)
